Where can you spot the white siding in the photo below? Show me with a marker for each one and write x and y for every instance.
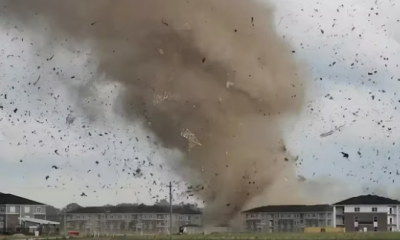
(394, 220)
(366, 209)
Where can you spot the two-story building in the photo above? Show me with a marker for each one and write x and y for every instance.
(287, 218)
(132, 219)
(18, 212)
(367, 213)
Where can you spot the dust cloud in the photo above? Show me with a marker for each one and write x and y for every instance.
(212, 79)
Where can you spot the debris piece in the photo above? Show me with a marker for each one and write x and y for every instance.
(51, 58)
(332, 131)
(186, 133)
(34, 84)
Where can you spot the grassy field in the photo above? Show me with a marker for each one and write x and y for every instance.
(277, 236)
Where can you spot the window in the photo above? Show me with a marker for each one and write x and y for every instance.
(27, 209)
(390, 229)
(390, 211)
(355, 219)
(390, 220)
(12, 209)
(375, 219)
(2, 209)
(375, 229)
(357, 209)
(38, 210)
(374, 209)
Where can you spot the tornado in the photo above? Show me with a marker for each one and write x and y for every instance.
(212, 79)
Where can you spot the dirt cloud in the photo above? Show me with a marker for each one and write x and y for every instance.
(210, 78)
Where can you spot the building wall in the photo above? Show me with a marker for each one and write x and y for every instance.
(285, 222)
(12, 221)
(388, 216)
(129, 222)
(13, 212)
(2, 222)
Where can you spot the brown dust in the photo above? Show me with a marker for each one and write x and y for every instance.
(212, 79)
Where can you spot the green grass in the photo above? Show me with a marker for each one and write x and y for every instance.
(272, 236)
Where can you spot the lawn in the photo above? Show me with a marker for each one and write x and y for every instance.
(277, 236)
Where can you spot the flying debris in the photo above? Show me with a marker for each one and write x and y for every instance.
(186, 133)
(337, 129)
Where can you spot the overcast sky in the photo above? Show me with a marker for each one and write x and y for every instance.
(352, 49)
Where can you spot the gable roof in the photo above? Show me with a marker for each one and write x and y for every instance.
(292, 208)
(137, 209)
(368, 200)
(6, 198)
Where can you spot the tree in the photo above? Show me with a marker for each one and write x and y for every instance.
(70, 207)
(122, 225)
(132, 224)
(162, 202)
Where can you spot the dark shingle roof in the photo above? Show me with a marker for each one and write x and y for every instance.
(292, 208)
(6, 198)
(368, 200)
(137, 209)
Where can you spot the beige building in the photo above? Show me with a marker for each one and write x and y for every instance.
(287, 218)
(140, 219)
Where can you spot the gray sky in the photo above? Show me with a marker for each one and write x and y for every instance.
(342, 42)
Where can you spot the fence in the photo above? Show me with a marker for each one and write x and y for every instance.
(29, 231)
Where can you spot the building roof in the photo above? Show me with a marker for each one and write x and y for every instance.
(137, 209)
(291, 208)
(368, 200)
(6, 198)
(38, 221)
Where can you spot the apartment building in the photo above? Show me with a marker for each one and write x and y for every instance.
(367, 213)
(287, 218)
(18, 212)
(131, 219)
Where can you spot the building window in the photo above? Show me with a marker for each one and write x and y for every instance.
(375, 219)
(375, 229)
(390, 220)
(38, 210)
(390, 229)
(374, 209)
(357, 209)
(355, 219)
(12, 209)
(27, 209)
(390, 211)
(2, 209)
